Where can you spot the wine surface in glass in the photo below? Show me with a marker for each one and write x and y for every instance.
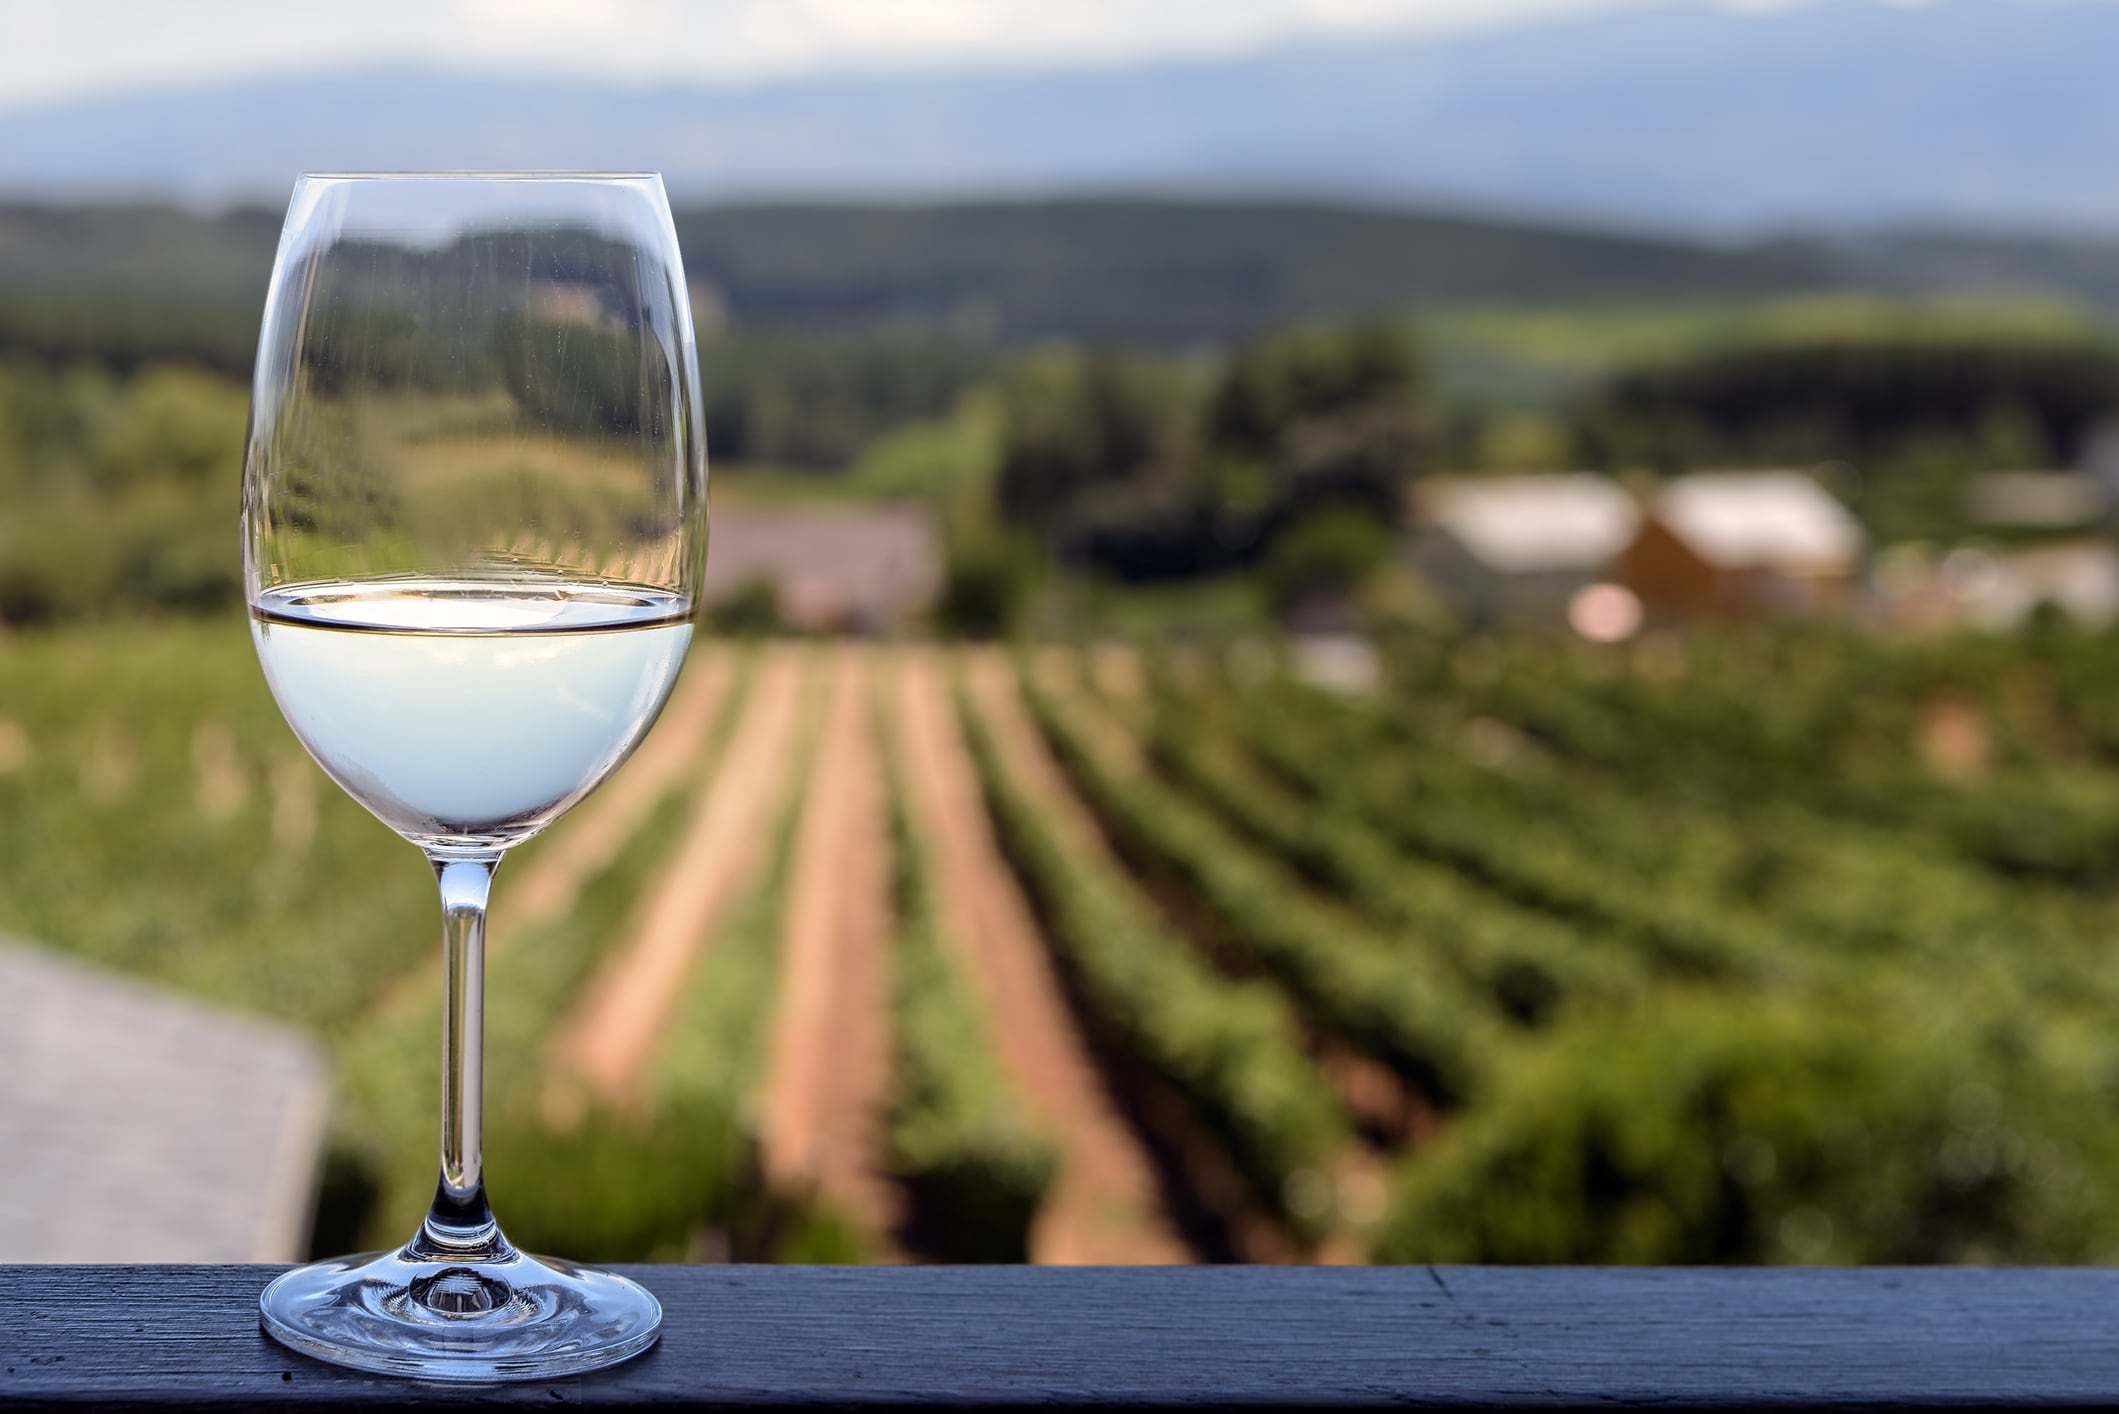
(470, 710)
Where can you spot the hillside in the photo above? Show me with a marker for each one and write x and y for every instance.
(1173, 271)
(1168, 272)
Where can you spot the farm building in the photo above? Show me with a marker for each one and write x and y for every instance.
(2037, 501)
(830, 568)
(1737, 544)
(1517, 549)
(2080, 578)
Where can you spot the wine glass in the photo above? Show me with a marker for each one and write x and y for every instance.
(473, 532)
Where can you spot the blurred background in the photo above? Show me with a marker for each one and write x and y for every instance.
(1345, 630)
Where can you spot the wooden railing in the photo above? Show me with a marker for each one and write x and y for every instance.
(1152, 1337)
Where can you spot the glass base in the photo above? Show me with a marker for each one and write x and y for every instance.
(507, 1317)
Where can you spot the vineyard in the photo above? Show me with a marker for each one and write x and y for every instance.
(1764, 946)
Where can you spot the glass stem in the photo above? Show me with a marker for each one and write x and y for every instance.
(459, 1225)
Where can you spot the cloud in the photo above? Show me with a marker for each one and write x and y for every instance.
(545, 17)
(50, 49)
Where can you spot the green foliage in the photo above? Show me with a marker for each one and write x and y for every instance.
(809, 1234)
(1331, 551)
(1123, 463)
(751, 609)
(987, 581)
(159, 817)
(635, 1190)
(1833, 721)
(1400, 1005)
(818, 401)
(1335, 414)
(947, 460)
(1228, 1047)
(1176, 273)
(1864, 400)
(1677, 931)
(117, 495)
(1080, 428)
(1529, 966)
(973, 1172)
(127, 333)
(1738, 1132)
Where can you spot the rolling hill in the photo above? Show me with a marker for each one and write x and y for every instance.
(1168, 272)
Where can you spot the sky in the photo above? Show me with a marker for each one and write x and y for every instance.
(52, 50)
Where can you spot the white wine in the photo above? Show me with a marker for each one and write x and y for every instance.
(470, 711)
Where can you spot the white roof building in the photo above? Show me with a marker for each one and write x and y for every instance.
(2002, 592)
(1566, 522)
(2037, 500)
(1517, 549)
(1761, 520)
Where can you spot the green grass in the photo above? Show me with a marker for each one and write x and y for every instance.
(159, 817)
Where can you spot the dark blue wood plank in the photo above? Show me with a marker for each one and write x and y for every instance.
(1157, 1338)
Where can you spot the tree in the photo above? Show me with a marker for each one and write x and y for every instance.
(987, 582)
(1117, 462)
(1867, 399)
(1076, 423)
(1332, 415)
(1330, 551)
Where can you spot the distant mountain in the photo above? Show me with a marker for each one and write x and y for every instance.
(1996, 112)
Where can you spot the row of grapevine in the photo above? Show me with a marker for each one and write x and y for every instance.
(1846, 737)
(1849, 890)
(1403, 1006)
(1529, 966)
(1908, 1068)
(710, 1069)
(1681, 934)
(1229, 1048)
(973, 1169)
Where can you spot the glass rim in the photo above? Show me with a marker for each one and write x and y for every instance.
(475, 174)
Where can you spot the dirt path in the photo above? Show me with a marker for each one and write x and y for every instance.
(607, 1039)
(828, 1080)
(607, 820)
(1119, 672)
(990, 677)
(1209, 1177)
(1106, 1206)
(1383, 1111)
(1111, 736)
(589, 837)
